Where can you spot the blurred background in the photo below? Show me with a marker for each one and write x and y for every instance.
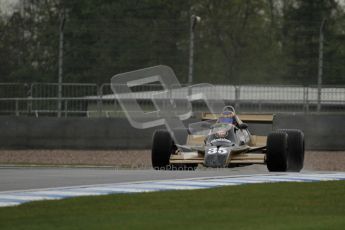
(57, 56)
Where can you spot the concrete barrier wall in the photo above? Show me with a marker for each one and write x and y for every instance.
(322, 132)
(71, 133)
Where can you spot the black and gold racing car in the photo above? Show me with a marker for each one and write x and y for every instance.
(217, 142)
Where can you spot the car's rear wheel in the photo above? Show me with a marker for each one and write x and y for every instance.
(162, 148)
(295, 149)
(276, 156)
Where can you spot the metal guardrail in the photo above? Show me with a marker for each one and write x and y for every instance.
(41, 99)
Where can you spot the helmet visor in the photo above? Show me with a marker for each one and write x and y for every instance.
(226, 120)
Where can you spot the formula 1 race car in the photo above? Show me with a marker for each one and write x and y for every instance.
(223, 140)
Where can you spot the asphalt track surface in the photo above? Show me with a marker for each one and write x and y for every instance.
(21, 178)
(20, 185)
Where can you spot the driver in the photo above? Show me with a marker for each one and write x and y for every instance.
(228, 117)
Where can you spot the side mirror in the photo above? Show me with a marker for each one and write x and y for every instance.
(243, 126)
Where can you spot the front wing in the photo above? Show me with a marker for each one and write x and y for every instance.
(243, 156)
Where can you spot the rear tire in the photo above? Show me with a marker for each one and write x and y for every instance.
(162, 148)
(276, 157)
(295, 149)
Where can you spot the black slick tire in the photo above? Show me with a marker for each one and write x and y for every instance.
(276, 156)
(162, 148)
(295, 149)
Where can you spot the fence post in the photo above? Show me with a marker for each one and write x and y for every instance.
(237, 97)
(306, 99)
(320, 67)
(60, 70)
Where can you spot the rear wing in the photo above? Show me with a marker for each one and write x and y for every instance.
(247, 118)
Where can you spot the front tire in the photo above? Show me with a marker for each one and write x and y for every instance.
(162, 148)
(276, 157)
(295, 149)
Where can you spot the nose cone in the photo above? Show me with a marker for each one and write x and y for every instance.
(216, 157)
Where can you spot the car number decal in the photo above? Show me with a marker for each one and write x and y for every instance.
(216, 150)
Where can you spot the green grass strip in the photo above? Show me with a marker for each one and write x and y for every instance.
(318, 205)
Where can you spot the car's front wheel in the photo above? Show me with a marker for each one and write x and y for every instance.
(295, 149)
(277, 150)
(162, 148)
